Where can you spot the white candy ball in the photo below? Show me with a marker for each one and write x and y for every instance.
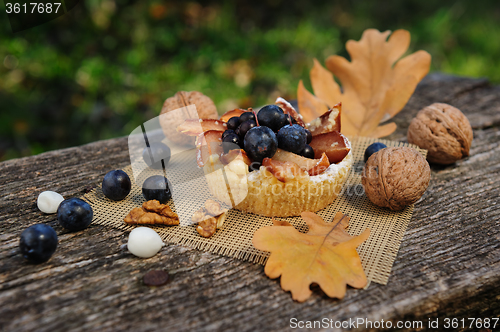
(144, 242)
(48, 201)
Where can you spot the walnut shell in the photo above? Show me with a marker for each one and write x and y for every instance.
(396, 177)
(443, 131)
(205, 109)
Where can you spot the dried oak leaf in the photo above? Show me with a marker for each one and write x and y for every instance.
(325, 255)
(375, 84)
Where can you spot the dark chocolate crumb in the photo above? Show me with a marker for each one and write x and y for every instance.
(155, 278)
(88, 189)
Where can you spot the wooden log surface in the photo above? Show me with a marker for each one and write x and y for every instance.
(447, 267)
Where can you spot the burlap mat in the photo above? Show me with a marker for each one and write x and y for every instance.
(235, 239)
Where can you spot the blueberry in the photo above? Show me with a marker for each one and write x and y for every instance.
(231, 142)
(244, 127)
(227, 132)
(260, 142)
(292, 138)
(159, 152)
(116, 185)
(308, 152)
(283, 122)
(156, 187)
(74, 214)
(233, 122)
(309, 136)
(38, 243)
(374, 147)
(272, 116)
(247, 116)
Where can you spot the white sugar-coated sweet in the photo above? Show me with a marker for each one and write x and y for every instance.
(48, 201)
(144, 242)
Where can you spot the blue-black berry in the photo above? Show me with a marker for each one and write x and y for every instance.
(38, 243)
(233, 122)
(308, 152)
(309, 136)
(156, 187)
(260, 142)
(159, 152)
(231, 142)
(244, 127)
(227, 132)
(74, 214)
(247, 116)
(372, 148)
(292, 138)
(272, 116)
(116, 185)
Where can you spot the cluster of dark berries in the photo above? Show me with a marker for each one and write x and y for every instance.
(260, 137)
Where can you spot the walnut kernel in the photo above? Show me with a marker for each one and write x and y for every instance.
(199, 215)
(220, 220)
(213, 208)
(211, 216)
(207, 227)
(152, 213)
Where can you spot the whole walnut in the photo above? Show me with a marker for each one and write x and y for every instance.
(396, 177)
(205, 109)
(443, 131)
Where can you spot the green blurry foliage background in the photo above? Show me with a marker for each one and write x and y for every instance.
(107, 66)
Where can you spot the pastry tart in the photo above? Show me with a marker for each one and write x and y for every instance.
(284, 185)
(261, 192)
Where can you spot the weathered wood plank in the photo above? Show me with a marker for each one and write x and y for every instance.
(447, 266)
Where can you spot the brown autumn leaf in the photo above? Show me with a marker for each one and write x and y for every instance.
(376, 83)
(325, 255)
(281, 223)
